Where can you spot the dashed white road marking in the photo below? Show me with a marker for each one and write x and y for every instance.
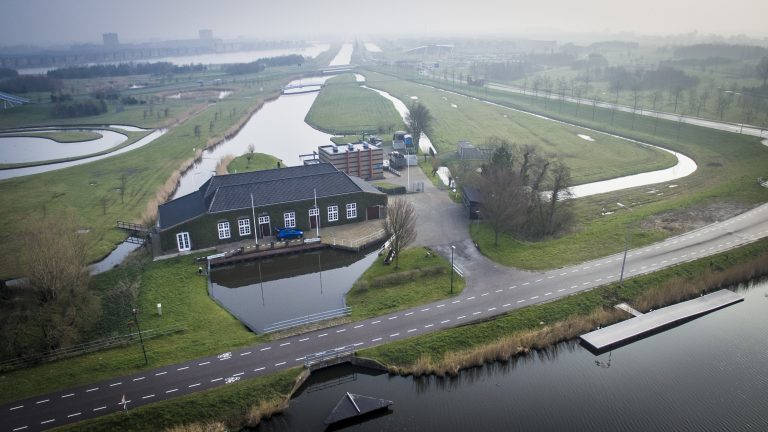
(172, 390)
(19, 428)
(411, 330)
(259, 369)
(217, 379)
(285, 344)
(183, 368)
(147, 396)
(425, 309)
(322, 335)
(440, 305)
(16, 407)
(375, 340)
(491, 309)
(526, 283)
(461, 317)
(376, 322)
(96, 388)
(394, 335)
(483, 295)
(391, 318)
(513, 287)
(339, 331)
(498, 291)
(193, 385)
(245, 353)
(306, 339)
(264, 349)
(506, 305)
(70, 395)
(520, 301)
(358, 326)
(279, 364)
(42, 401)
(428, 325)
(534, 297)
(444, 321)
(47, 421)
(72, 415)
(561, 290)
(549, 293)
(115, 384)
(471, 298)
(456, 301)
(475, 313)
(538, 280)
(409, 314)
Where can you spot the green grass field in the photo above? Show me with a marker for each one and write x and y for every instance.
(368, 300)
(343, 107)
(728, 166)
(458, 117)
(260, 161)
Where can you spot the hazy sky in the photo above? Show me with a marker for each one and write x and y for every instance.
(67, 21)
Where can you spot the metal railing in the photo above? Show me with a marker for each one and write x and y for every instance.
(307, 319)
(359, 242)
(331, 354)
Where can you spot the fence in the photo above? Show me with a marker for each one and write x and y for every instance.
(308, 319)
(361, 242)
(87, 347)
(332, 354)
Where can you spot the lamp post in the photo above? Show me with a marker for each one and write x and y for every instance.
(136, 320)
(453, 248)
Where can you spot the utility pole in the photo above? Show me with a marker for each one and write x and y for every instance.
(136, 320)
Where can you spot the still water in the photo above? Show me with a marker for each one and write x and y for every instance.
(288, 287)
(19, 149)
(708, 374)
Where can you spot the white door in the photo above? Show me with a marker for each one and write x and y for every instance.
(182, 241)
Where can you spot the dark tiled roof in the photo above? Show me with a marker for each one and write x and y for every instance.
(183, 208)
(472, 194)
(232, 192)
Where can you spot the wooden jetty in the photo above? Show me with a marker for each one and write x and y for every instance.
(353, 405)
(658, 320)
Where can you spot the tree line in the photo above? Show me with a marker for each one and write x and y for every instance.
(261, 64)
(29, 83)
(123, 69)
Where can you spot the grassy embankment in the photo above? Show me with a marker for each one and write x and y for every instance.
(539, 326)
(343, 107)
(91, 190)
(423, 277)
(728, 165)
(175, 284)
(259, 161)
(66, 136)
(225, 408)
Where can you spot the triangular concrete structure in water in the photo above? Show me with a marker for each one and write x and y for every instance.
(354, 405)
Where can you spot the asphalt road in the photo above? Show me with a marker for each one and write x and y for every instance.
(491, 290)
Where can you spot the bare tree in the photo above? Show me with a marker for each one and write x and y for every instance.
(400, 225)
(762, 70)
(249, 156)
(418, 120)
(197, 131)
(722, 103)
(561, 183)
(504, 200)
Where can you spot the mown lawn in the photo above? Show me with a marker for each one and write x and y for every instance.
(67, 136)
(372, 295)
(184, 297)
(343, 107)
(259, 161)
(728, 166)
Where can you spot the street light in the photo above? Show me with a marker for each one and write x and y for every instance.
(453, 248)
(136, 320)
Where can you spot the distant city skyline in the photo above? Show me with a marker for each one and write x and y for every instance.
(50, 22)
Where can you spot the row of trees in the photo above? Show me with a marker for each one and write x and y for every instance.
(123, 69)
(261, 64)
(524, 192)
(79, 108)
(29, 83)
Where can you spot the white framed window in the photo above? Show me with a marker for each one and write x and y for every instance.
(333, 213)
(182, 241)
(223, 228)
(244, 226)
(290, 219)
(314, 211)
(351, 210)
(263, 220)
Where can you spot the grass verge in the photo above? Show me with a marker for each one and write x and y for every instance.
(243, 403)
(538, 326)
(184, 297)
(423, 277)
(259, 161)
(68, 136)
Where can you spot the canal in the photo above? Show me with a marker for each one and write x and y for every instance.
(707, 374)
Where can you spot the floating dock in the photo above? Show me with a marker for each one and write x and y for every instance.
(655, 321)
(353, 405)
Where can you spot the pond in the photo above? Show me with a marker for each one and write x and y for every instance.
(708, 374)
(20, 149)
(283, 288)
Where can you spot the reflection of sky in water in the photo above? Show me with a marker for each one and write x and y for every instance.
(261, 304)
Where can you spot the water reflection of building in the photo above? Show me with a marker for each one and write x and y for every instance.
(234, 207)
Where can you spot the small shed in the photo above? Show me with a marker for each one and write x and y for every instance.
(472, 201)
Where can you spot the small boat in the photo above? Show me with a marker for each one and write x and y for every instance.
(353, 405)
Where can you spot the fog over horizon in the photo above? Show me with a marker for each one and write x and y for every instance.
(52, 22)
